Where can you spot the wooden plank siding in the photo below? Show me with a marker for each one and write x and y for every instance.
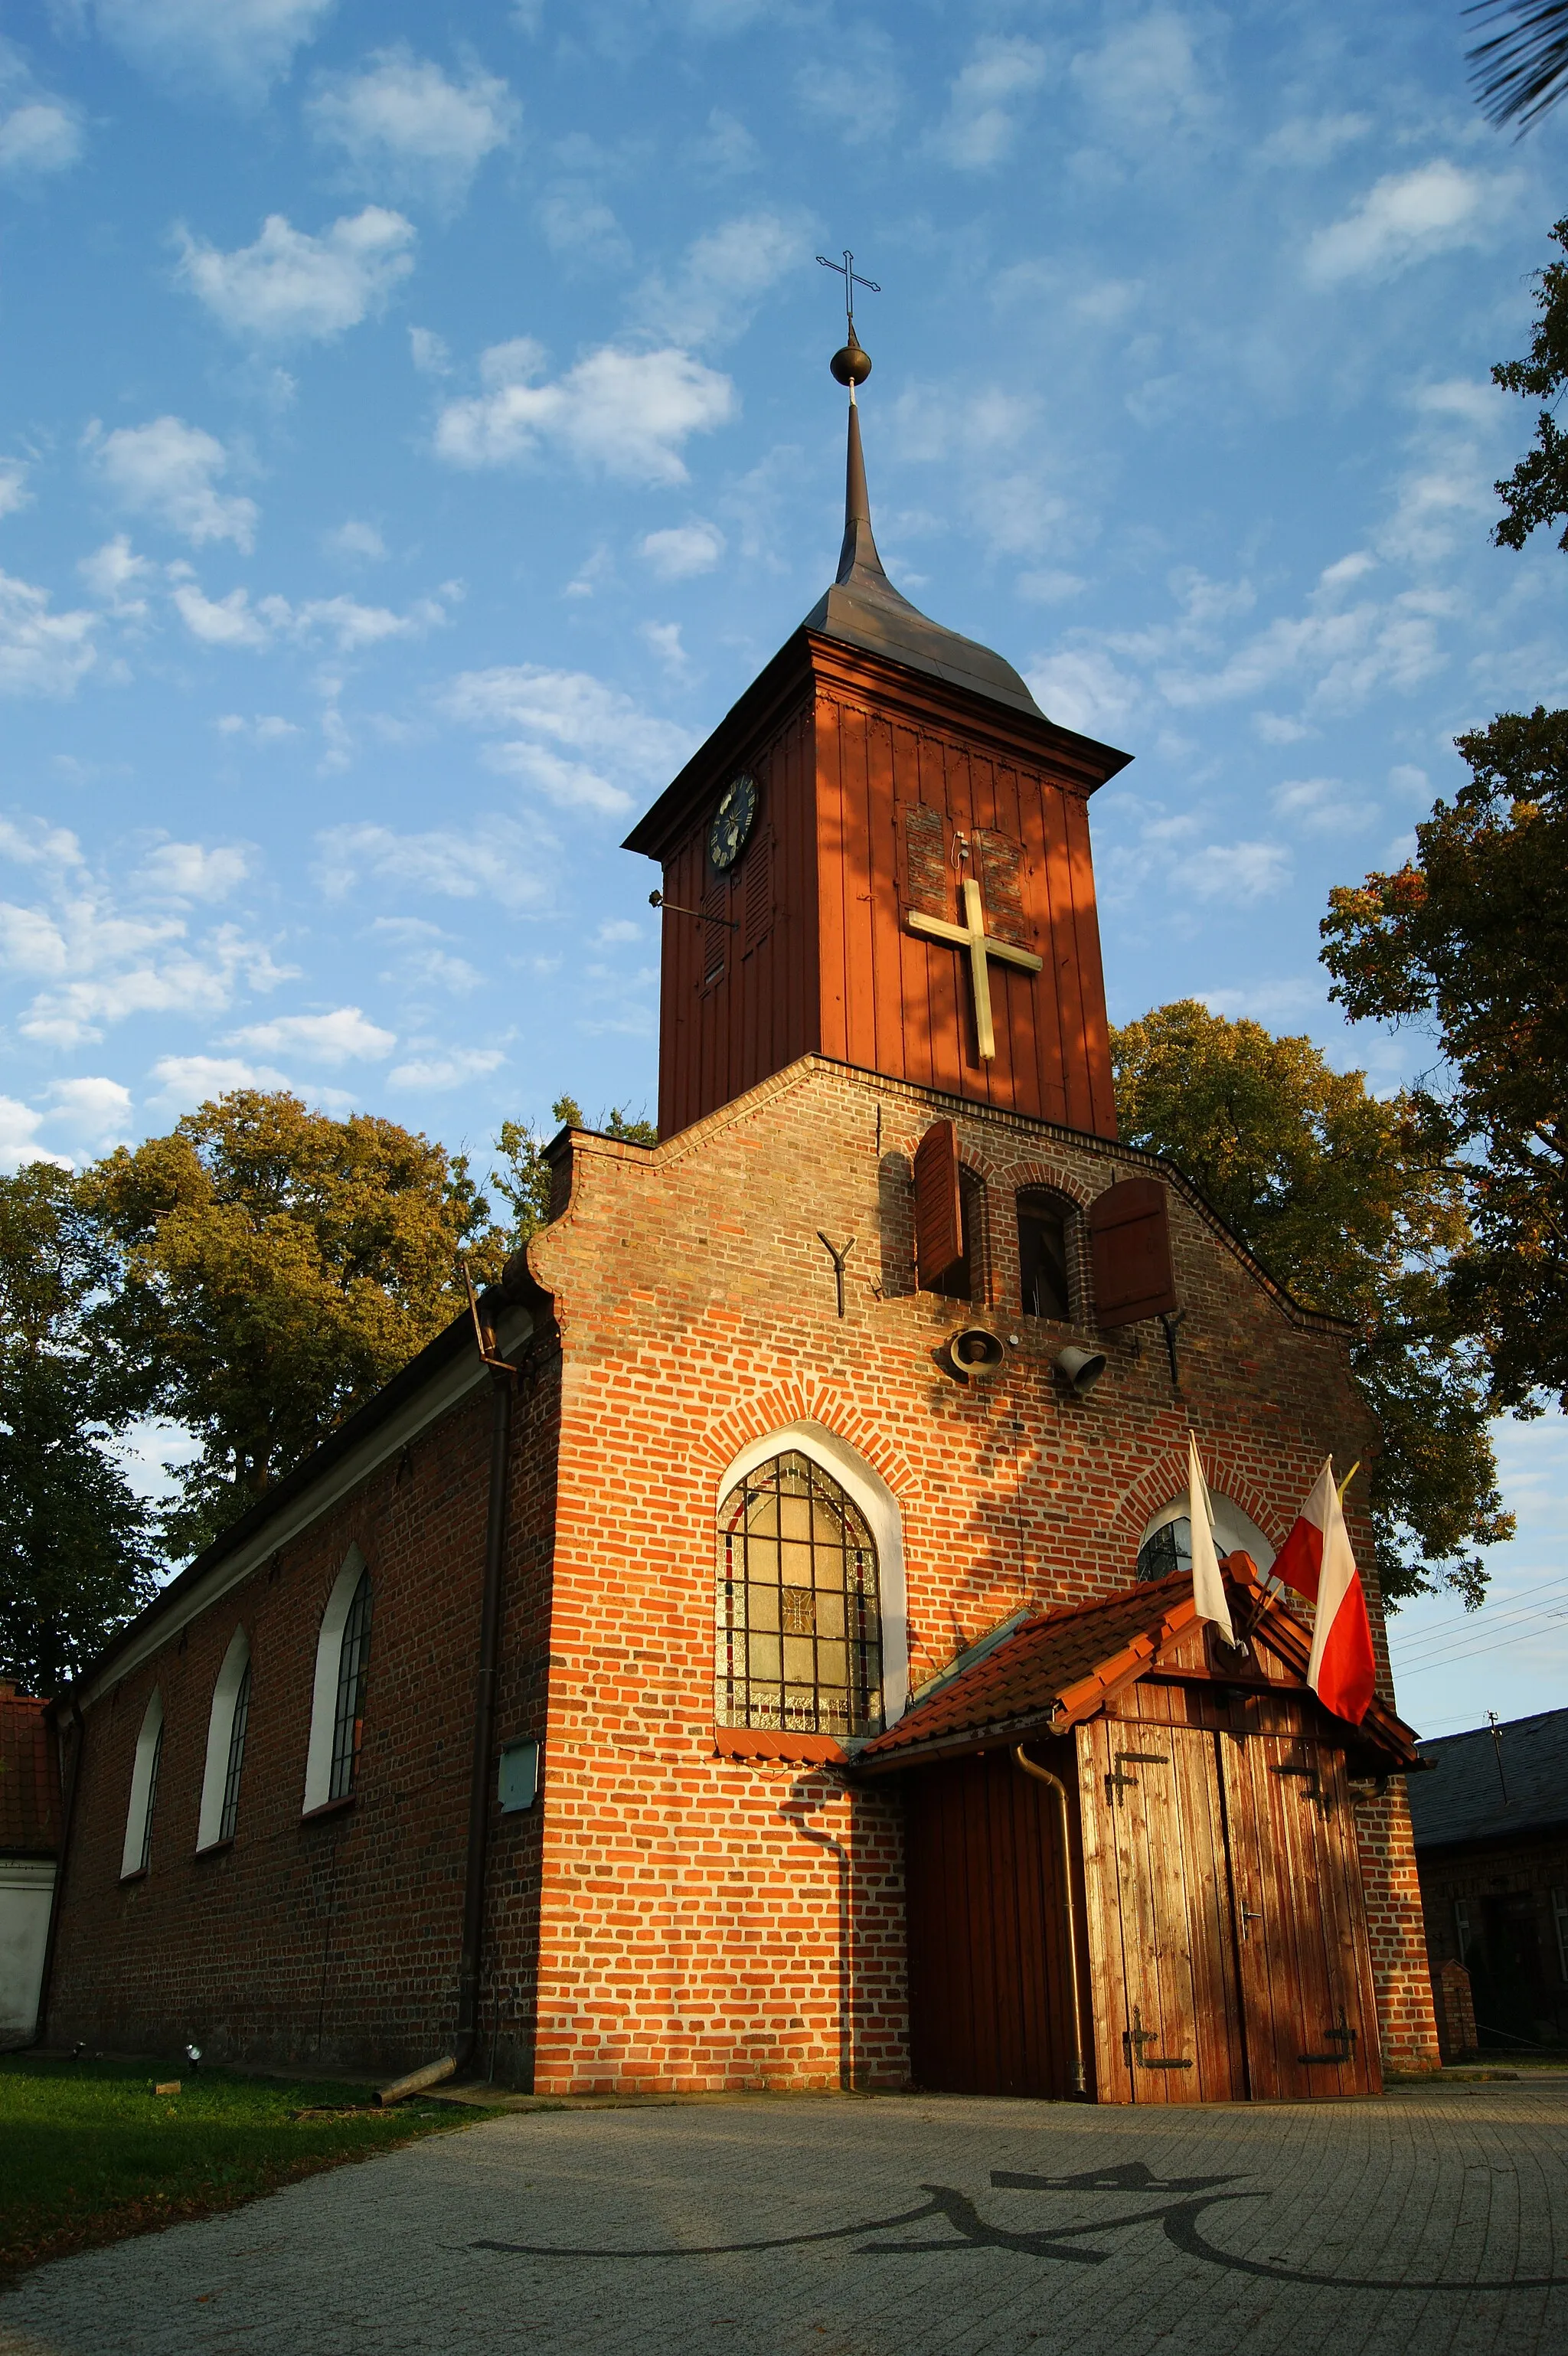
(838, 760)
(990, 2005)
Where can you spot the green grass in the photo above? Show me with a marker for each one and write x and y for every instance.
(88, 2153)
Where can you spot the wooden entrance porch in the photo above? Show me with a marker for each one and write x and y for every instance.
(1132, 1862)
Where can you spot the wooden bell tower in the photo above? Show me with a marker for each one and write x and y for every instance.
(881, 855)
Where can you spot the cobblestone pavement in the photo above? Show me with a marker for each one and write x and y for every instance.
(900, 2226)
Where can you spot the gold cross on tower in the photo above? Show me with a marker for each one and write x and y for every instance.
(971, 934)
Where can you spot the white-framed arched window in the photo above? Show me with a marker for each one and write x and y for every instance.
(225, 1729)
(1165, 1545)
(337, 1703)
(802, 1486)
(138, 1849)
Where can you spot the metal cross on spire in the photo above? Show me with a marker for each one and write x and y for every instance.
(846, 271)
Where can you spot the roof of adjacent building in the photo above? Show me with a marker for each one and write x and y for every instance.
(29, 1778)
(1489, 1784)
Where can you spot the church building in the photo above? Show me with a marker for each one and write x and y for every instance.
(758, 1647)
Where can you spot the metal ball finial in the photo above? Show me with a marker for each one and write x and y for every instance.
(852, 364)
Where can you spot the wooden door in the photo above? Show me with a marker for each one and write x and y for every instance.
(989, 1985)
(1301, 1930)
(1168, 2024)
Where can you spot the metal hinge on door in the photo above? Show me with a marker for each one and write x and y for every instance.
(1343, 2039)
(1116, 1782)
(1321, 1800)
(1135, 2038)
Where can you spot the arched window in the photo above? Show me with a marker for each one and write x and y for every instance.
(348, 1718)
(137, 1853)
(337, 1703)
(225, 1745)
(1166, 1546)
(799, 1618)
(1042, 1255)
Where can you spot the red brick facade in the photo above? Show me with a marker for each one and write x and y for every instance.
(668, 1915)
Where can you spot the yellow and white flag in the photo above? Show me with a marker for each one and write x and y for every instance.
(1207, 1586)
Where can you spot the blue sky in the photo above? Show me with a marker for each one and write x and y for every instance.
(417, 431)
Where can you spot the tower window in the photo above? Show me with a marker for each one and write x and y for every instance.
(798, 1623)
(1042, 1257)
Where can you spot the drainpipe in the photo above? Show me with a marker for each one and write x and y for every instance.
(1069, 1911)
(504, 1379)
(68, 1811)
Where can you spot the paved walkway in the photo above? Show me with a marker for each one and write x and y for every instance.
(917, 2226)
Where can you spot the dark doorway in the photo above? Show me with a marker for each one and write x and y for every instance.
(1042, 1257)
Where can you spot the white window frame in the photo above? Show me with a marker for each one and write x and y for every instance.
(219, 1738)
(323, 1700)
(142, 1794)
(865, 1485)
(1232, 1528)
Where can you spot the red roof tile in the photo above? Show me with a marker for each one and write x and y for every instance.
(29, 1779)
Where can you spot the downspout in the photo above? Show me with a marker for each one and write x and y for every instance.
(1069, 1911)
(67, 1813)
(504, 1382)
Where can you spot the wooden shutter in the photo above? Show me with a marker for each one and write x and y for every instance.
(757, 891)
(938, 1211)
(1129, 1239)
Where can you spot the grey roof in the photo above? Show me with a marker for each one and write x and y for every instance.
(863, 610)
(1464, 1799)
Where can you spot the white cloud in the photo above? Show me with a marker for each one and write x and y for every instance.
(224, 621)
(581, 228)
(726, 145)
(188, 871)
(1144, 78)
(344, 1036)
(41, 653)
(573, 708)
(421, 956)
(682, 550)
(168, 470)
(40, 135)
(1414, 784)
(355, 542)
(404, 126)
(723, 275)
(93, 1113)
(33, 842)
(185, 1081)
(1168, 853)
(290, 287)
(19, 1127)
(614, 930)
(500, 860)
(1082, 688)
(233, 621)
(984, 102)
(665, 639)
(238, 48)
(856, 84)
(1050, 586)
(264, 728)
(13, 491)
(570, 785)
(108, 966)
(1322, 805)
(1311, 141)
(1406, 217)
(428, 352)
(447, 1069)
(115, 574)
(626, 412)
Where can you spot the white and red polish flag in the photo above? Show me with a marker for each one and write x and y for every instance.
(1207, 1586)
(1316, 1560)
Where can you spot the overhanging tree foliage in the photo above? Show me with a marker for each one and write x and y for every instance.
(1354, 1204)
(271, 1268)
(76, 1557)
(1472, 937)
(1537, 490)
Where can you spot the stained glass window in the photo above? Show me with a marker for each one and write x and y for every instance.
(352, 1661)
(145, 1859)
(799, 1621)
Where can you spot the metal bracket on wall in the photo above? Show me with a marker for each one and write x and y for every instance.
(838, 1258)
(1343, 2037)
(1313, 1789)
(1135, 2038)
(1170, 1319)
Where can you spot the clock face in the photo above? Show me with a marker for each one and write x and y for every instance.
(732, 822)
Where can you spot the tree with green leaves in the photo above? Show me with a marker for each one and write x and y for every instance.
(270, 1268)
(1354, 1204)
(77, 1560)
(1537, 490)
(523, 1177)
(1471, 938)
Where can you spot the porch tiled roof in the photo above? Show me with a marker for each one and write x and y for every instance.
(1055, 1666)
(29, 1786)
